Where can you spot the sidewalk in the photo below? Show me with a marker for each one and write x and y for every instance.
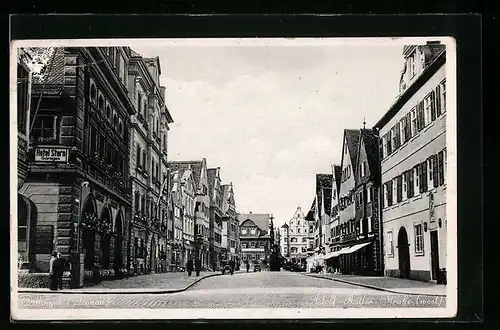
(389, 284)
(171, 282)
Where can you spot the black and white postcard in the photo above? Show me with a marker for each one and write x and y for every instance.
(290, 178)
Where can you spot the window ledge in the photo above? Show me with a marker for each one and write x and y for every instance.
(417, 197)
(390, 255)
(415, 137)
(428, 126)
(385, 159)
(406, 201)
(395, 206)
(443, 116)
(419, 254)
(403, 145)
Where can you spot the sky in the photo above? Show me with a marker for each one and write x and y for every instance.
(272, 115)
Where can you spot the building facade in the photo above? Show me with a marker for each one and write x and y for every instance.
(202, 206)
(77, 189)
(254, 237)
(216, 196)
(297, 237)
(188, 206)
(230, 229)
(285, 241)
(413, 166)
(149, 243)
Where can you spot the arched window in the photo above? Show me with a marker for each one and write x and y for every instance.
(108, 111)
(93, 93)
(100, 103)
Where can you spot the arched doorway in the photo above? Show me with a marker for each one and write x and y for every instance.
(106, 231)
(26, 230)
(118, 246)
(89, 225)
(403, 254)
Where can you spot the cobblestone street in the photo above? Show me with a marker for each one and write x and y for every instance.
(243, 290)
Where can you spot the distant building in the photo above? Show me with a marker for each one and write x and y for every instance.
(285, 240)
(230, 225)
(254, 236)
(297, 237)
(216, 195)
(413, 166)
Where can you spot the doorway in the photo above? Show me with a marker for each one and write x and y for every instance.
(434, 254)
(403, 254)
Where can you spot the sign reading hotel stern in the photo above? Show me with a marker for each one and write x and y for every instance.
(56, 155)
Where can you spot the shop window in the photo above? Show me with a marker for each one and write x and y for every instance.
(46, 129)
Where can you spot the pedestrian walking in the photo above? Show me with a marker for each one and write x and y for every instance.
(197, 266)
(231, 266)
(189, 266)
(248, 265)
(52, 275)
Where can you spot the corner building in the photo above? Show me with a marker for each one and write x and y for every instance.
(77, 189)
(413, 167)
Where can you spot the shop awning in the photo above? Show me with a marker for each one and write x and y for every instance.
(354, 248)
(337, 253)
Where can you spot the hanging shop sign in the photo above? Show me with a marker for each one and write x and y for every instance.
(52, 155)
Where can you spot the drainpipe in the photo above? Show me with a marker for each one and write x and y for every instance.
(379, 208)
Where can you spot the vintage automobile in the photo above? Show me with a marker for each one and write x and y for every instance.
(256, 268)
(225, 267)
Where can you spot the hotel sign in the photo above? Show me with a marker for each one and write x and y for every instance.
(54, 155)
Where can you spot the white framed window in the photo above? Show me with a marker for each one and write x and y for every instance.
(390, 244)
(244, 231)
(430, 173)
(442, 88)
(384, 147)
(402, 125)
(428, 109)
(419, 239)
(253, 231)
(370, 225)
(368, 194)
(394, 191)
(414, 127)
(413, 64)
(445, 162)
(394, 138)
(386, 198)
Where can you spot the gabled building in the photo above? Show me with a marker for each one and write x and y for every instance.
(202, 206)
(177, 220)
(254, 236)
(413, 167)
(230, 225)
(285, 241)
(322, 210)
(215, 227)
(188, 207)
(334, 207)
(297, 242)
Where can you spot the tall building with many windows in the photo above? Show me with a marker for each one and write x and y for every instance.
(413, 166)
(78, 189)
(254, 236)
(297, 237)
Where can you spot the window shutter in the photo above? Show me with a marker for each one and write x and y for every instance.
(433, 105)
(420, 116)
(424, 177)
(398, 135)
(438, 100)
(408, 126)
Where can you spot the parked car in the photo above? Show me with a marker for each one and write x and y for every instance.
(225, 267)
(298, 268)
(256, 268)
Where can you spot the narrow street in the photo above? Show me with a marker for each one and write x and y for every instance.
(243, 290)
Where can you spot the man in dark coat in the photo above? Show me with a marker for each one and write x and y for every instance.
(197, 266)
(231, 266)
(189, 266)
(248, 265)
(59, 270)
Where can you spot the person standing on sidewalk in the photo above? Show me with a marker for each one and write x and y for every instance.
(189, 266)
(53, 278)
(197, 266)
(231, 266)
(58, 270)
(248, 265)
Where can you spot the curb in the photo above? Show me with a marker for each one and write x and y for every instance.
(118, 291)
(377, 287)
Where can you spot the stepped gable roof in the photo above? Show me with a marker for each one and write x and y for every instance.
(261, 220)
(370, 141)
(352, 139)
(194, 165)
